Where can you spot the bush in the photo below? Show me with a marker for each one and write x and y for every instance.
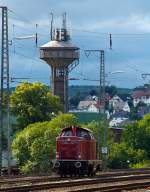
(34, 146)
(121, 156)
(142, 164)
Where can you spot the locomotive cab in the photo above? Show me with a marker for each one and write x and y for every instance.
(75, 151)
(78, 132)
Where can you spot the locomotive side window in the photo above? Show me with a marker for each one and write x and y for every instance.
(92, 137)
(83, 133)
(67, 133)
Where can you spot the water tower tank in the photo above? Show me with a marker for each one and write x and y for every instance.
(62, 56)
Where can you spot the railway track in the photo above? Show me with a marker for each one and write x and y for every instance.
(123, 187)
(35, 179)
(105, 182)
(6, 181)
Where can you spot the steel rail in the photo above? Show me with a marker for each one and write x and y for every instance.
(116, 188)
(75, 183)
(36, 179)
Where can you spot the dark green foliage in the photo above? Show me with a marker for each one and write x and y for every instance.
(87, 117)
(93, 92)
(138, 135)
(111, 90)
(87, 90)
(122, 156)
(74, 101)
(34, 146)
(134, 111)
(134, 150)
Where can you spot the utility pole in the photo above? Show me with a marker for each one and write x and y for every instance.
(5, 86)
(101, 107)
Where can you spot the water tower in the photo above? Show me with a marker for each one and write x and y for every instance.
(63, 57)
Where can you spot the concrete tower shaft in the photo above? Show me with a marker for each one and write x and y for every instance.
(62, 56)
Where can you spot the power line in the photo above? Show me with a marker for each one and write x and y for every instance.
(106, 34)
(20, 16)
(126, 60)
(26, 20)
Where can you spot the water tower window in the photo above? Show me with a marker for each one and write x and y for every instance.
(61, 53)
(61, 73)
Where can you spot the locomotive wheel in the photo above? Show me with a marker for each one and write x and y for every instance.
(91, 170)
(62, 171)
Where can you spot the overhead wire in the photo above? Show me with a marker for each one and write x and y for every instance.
(23, 19)
(113, 35)
(127, 62)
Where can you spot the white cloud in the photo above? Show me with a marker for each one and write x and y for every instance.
(130, 24)
(108, 16)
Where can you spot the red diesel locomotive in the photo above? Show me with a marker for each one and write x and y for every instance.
(76, 152)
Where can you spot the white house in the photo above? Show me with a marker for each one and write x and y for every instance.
(115, 122)
(93, 108)
(141, 96)
(126, 107)
(118, 104)
(84, 105)
(115, 100)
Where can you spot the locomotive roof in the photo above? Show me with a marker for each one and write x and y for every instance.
(77, 128)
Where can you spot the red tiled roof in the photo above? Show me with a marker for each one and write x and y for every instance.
(140, 93)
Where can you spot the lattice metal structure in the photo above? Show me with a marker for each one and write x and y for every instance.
(103, 138)
(102, 80)
(144, 75)
(63, 57)
(4, 83)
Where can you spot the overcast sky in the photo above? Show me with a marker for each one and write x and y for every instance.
(90, 22)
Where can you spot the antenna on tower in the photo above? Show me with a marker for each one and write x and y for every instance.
(64, 33)
(51, 32)
(64, 23)
(36, 36)
(110, 41)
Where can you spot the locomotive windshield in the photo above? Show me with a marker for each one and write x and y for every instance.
(83, 133)
(79, 132)
(67, 133)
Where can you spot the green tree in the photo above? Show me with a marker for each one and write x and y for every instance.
(134, 111)
(137, 135)
(33, 102)
(93, 92)
(100, 127)
(34, 146)
(74, 100)
(122, 156)
(111, 90)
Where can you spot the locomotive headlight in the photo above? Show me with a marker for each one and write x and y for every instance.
(68, 139)
(57, 155)
(79, 156)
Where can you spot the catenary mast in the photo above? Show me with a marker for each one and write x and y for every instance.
(5, 85)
